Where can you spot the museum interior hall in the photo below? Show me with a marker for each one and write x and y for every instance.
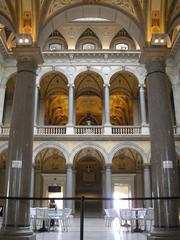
(90, 119)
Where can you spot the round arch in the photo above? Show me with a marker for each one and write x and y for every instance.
(46, 72)
(6, 22)
(128, 145)
(82, 146)
(98, 11)
(127, 70)
(54, 145)
(3, 147)
(9, 76)
(92, 70)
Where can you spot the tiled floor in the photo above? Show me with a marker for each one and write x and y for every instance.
(95, 229)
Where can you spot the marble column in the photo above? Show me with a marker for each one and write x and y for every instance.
(163, 157)
(147, 185)
(2, 102)
(16, 221)
(142, 104)
(69, 186)
(36, 108)
(107, 124)
(108, 185)
(70, 125)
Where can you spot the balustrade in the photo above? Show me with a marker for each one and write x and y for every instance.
(82, 130)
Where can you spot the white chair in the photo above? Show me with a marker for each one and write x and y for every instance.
(33, 218)
(125, 218)
(149, 219)
(111, 214)
(42, 219)
(138, 219)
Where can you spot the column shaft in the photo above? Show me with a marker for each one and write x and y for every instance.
(71, 105)
(2, 98)
(147, 185)
(36, 106)
(106, 105)
(164, 168)
(142, 105)
(69, 186)
(108, 186)
(16, 222)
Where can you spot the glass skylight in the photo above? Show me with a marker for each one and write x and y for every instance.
(91, 19)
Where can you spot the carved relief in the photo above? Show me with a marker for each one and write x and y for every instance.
(4, 8)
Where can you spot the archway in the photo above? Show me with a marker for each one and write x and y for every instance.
(10, 88)
(3, 161)
(50, 175)
(53, 99)
(88, 164)
(127, 176)
(89, 98)
(123, 99)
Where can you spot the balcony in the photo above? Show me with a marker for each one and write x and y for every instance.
(87, 131)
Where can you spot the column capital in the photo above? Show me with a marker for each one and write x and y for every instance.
(69, 166)
(141, 85)
(106, 85)
(151, 54)
(108, 166)
(69, 85)
(146, 165)
(28, 54)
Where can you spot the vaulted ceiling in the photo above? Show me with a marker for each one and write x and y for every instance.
(32, 16)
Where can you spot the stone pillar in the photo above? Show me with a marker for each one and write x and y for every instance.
(69, 186)
(108, 185)
(176, 91)
(36, 108)
(16, 221)
(107, 124)
(142, 104)
(164, 168)
(2, 102)
(70, 125)
(147, 185)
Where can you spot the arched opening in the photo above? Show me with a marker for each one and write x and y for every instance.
(50, 176)
(10, 88)
(124, 108)
(53, 108)
(127, 177)
(122, 41)
(89, 98)
(3, 162)
(88, 41)
(88, 164)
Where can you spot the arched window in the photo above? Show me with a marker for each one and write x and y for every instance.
(122, 46)
(122, 41)
(55, 46)
(88, 46)
(88, 41)
(55, 42)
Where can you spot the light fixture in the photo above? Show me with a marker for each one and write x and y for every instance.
(23, 39)
(159, 39)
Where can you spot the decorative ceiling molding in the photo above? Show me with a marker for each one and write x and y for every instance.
(4, 8)
(57, 5)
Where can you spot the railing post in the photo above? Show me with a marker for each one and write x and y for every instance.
(82, 218)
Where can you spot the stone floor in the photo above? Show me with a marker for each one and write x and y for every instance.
(95, 229)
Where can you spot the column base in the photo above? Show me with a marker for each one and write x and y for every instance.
(145, 129)
(18, 234)
(70, 129)
(107, 129)
(162, 234)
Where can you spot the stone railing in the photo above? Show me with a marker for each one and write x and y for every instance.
(84, 130)
(126, 130)
(50, 130)
(89, 130)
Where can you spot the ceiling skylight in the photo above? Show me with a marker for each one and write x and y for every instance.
(91, 19)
